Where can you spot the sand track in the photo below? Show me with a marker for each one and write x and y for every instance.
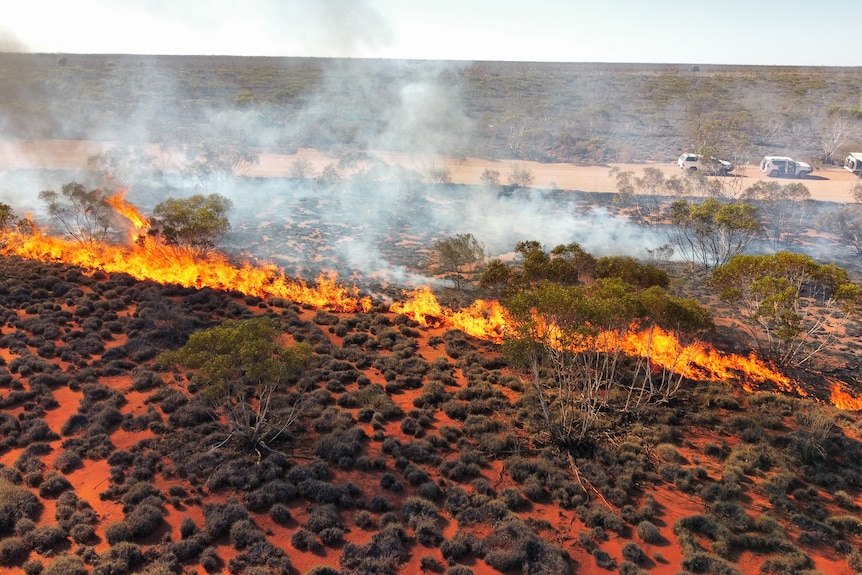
(826, 184)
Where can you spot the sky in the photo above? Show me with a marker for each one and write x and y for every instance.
(790, 32)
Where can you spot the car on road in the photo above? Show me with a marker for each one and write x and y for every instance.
(784, 167)
(697, 163)
(853, 163)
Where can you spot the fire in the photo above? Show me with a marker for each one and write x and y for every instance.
(130, 212)
(843, 400)
(149, 259)
(488, 320)
(483, 319)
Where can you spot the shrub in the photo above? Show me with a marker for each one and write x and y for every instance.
(117, 532)
(244, 533)
(44, 538)
(649, 533)
(280, 513)
(13, 551)
(54, 485)
(66, 565)
(15, 503)
(305, 540)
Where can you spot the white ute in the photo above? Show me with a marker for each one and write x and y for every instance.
(853, 163)
(783, 167)
(712, 166)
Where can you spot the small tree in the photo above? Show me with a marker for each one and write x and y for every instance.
(490, 178)
(572, 341)
(521, 177)
(712, 232)
(785, 210)
(792, 306)
(198, 222)
(84, 214)
(242, 370)
(458, 259)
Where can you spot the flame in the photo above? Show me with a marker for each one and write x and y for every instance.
(488, 320)
(130, 212)
(150, 259)
(843, 400)
(483, 319)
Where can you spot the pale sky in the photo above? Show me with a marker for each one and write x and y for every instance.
(786, 32)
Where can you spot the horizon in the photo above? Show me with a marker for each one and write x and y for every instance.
(551, 31)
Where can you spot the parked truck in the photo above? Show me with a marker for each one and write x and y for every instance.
(853, 163)
(784, 167)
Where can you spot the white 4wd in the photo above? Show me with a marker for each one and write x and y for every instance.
(784, 167)
(696, 162)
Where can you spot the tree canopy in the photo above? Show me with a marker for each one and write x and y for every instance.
(791, 305)
(241, 367)
(198, 222)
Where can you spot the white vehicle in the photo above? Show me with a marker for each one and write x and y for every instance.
(853, 163)
(784, 167)
(697, 163)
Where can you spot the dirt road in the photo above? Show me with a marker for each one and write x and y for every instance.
(831, 184)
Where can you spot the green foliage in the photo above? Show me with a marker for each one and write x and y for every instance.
(565, 264)
(792, 306)
(240, 366)
(198, 222)
(712, 231)
(632, 271)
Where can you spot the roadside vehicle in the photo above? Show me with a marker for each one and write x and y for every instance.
(784, 167)
(853, 163)
(697, 163)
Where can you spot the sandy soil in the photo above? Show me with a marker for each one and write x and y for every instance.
(827, 184)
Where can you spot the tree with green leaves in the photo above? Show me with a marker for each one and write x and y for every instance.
(565, 264)
(198, 222)
(84, 214)
(571, 340)
(791, 305)
(243, 370)
(214, 160)
(459, 259)
(712, 231)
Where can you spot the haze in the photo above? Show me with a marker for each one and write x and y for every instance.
(793, 33)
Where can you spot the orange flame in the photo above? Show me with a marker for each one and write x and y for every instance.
(130, 212)
(483, 319)
(843, 400)
(150, 259)
(488, 320)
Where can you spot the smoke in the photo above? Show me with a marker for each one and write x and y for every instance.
(370, 219)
